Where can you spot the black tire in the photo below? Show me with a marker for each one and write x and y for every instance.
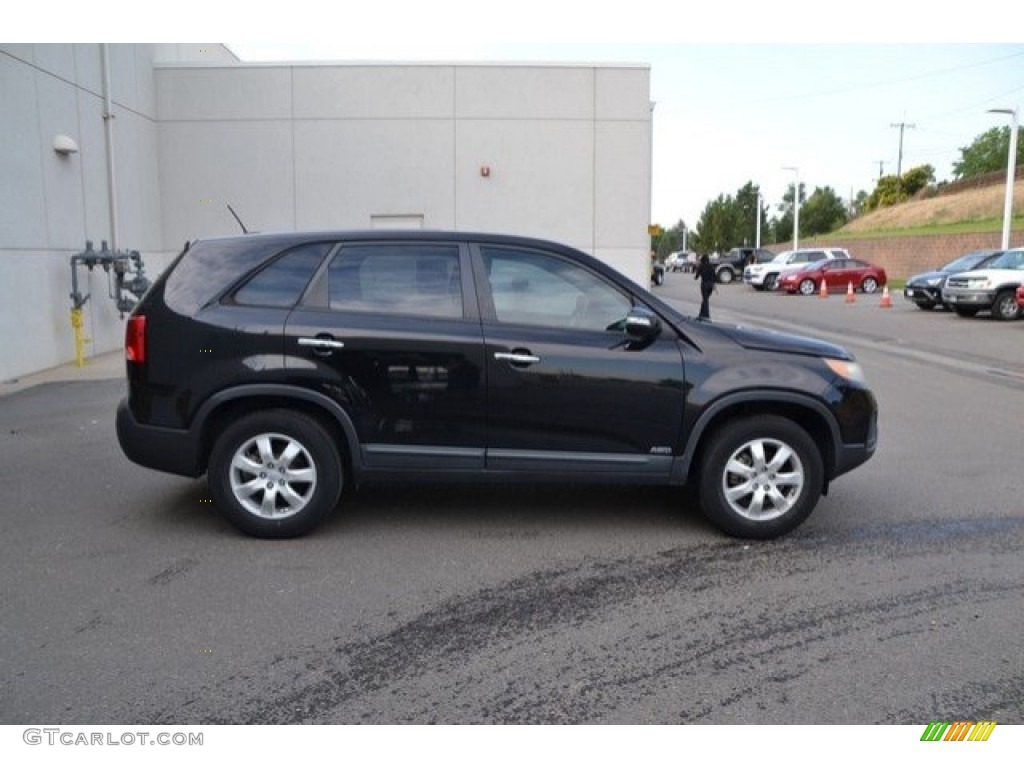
(774, 505)
(275, 446)
(725, 275)
(869, 285)
(965, 311)
(769, 282)
(1005, 306)
(925, 304)
(807, 287)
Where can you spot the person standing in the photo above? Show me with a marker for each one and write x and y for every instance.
(706, 274)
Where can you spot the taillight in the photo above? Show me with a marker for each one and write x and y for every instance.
(135, 339)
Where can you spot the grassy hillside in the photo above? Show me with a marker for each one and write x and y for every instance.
(972, 210)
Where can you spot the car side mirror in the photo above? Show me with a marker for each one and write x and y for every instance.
(642, 324)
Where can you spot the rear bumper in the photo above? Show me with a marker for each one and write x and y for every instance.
(169, 450)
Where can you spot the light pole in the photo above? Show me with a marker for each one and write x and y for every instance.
(1011, 162)
(757, 228)
(796, 205)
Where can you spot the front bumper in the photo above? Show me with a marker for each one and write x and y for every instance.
(968, 297)
(925, 293)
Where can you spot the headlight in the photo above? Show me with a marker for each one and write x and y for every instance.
(846, 369)
(933, 281)
(978, 282)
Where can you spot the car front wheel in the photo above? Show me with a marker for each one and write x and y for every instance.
(725, 275)
(769, 282)
(807, 287)
(760, 477)
(1005, 306)
(275, 474)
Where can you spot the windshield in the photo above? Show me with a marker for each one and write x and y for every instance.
(782, 258)
(1009, 260)
(967, 261)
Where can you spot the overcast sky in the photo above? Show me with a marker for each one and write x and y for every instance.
(742, 89)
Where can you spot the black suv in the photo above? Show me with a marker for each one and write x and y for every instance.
(289, 367)
(730, 266)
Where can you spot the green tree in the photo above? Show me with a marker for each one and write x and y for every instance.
(784, 223)
(891, 190)
(986, 154)
(669, 241)
(730, 221)
(718, 225)
(916, 179)
(822, 212)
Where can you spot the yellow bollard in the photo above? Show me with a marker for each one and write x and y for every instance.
(77, 323)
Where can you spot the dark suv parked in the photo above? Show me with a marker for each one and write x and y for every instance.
(730, 266)
(290, 367)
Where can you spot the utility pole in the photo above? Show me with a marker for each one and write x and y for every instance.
(899, 162)
(881, 168)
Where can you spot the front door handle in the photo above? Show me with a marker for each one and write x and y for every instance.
(321, 345)
(521, 359)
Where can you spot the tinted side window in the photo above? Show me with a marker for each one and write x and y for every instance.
(407, 279)
(282, 282)
(211, 267)
(531, 288)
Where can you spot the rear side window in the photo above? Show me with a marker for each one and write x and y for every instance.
(210, 267)
(281, 283)
(405, 278)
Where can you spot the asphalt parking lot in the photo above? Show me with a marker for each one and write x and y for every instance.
(127, 600)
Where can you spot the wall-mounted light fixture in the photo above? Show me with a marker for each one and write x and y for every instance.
(485, 171)
(64, 145)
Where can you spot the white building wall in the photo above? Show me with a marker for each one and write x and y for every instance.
(554, 151)
(566, 148)
(50, 204)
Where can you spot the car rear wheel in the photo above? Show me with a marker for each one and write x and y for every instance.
(725, 275)
(869, 285)
(275, 474)
(1005, 306)
(807, 287)
(760, 477)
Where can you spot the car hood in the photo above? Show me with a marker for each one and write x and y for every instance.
(776, 341)
(993, 274)
(925, 276)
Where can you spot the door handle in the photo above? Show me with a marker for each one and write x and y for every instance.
(321, 345)
(517, 358)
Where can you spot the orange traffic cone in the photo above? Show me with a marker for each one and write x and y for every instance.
(823, 291)
(886, 302)
(850, 298)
